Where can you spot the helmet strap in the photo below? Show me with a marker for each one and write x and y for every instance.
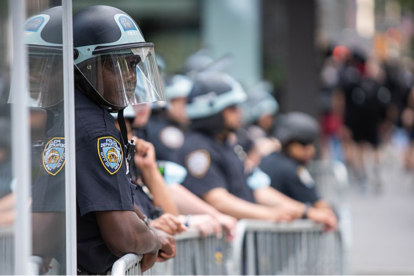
(128, 145)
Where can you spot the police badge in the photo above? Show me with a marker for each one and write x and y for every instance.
(54, 155)
(110, 153)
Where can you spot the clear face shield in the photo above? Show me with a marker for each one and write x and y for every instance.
(123, 77)
(45, 72)
(46, 77)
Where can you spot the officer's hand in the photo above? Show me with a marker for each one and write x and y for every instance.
(148, 260)
(145, 153)
(168, 223)
(229, 224)
(168, 247)
(325, 216)
(206, 224)
(281, 213)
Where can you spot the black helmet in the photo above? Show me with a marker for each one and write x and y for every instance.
(211, 94)
(297, 127)
(115, 66)
(43, 36)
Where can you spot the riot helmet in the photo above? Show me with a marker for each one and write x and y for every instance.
(115, 66)
(210, 95)
(259, 103)
(297, 127)
(43, 37)
(178, 86)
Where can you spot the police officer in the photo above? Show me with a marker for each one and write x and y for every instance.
(167, 124)
(43, 36)
(215, 173)
(287, 169)
(112, 59)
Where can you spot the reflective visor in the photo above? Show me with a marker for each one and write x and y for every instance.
(45, 77)
(122, 77)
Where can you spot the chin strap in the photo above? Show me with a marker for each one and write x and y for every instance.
(129, 145)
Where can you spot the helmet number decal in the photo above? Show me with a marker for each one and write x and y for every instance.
(110, 153)
(126, 23)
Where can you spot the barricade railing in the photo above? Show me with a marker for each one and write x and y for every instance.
(6, 251)
(296, 248)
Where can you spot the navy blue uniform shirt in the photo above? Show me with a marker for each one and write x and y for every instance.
(212, 164)
(48, 190)
(164, 135)
(290, 177)
(101, 181)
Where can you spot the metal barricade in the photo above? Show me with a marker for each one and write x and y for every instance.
(196, 255)
(6, 251)
(300, 247)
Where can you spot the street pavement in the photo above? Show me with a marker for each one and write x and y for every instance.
(383, 222)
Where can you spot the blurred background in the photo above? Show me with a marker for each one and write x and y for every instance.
(348, 63)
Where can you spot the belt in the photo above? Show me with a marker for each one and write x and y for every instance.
(82, 272)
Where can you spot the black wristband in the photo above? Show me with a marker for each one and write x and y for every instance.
(305, 213)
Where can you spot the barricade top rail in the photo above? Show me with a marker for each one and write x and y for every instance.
(294, 226)
(6, 231)
(190, 233)
(124, 263)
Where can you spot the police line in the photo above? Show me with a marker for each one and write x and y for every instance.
(260, 248)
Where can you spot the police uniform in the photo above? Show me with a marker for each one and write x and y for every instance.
(290, 177)
(212, 164)
(101, 181)
(48, 191)
(164, 135)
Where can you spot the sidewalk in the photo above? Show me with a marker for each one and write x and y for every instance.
(383, 224)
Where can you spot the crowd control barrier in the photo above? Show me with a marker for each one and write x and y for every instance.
(296, 248)
(6, 251)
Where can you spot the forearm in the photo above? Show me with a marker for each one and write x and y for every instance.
(155, 183)
(233, 206)
(322, 204)
(125, 232)
(271, 197)
(189, 203)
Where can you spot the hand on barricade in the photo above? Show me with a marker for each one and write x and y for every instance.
(281, 213)
(168, 223)
(148, 260)
(229, 224)
(325, 216)
(206, 224)
(168, 247)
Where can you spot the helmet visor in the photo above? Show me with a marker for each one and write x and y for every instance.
(45, 66)
(122, 77)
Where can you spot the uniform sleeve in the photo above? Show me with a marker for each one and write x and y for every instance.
(203, 174)
(102, 183)
(298, 190)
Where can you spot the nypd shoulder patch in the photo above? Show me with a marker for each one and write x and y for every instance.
(53, 156)
(110, 153)
(198, 163)
(171, 137)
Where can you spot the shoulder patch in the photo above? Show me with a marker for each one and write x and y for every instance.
(198, 163)
(53, 156)
(171, 137)
(305, 177)
(110, 153)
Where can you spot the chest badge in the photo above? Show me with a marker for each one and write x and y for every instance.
(110, 153)
(53, 156)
